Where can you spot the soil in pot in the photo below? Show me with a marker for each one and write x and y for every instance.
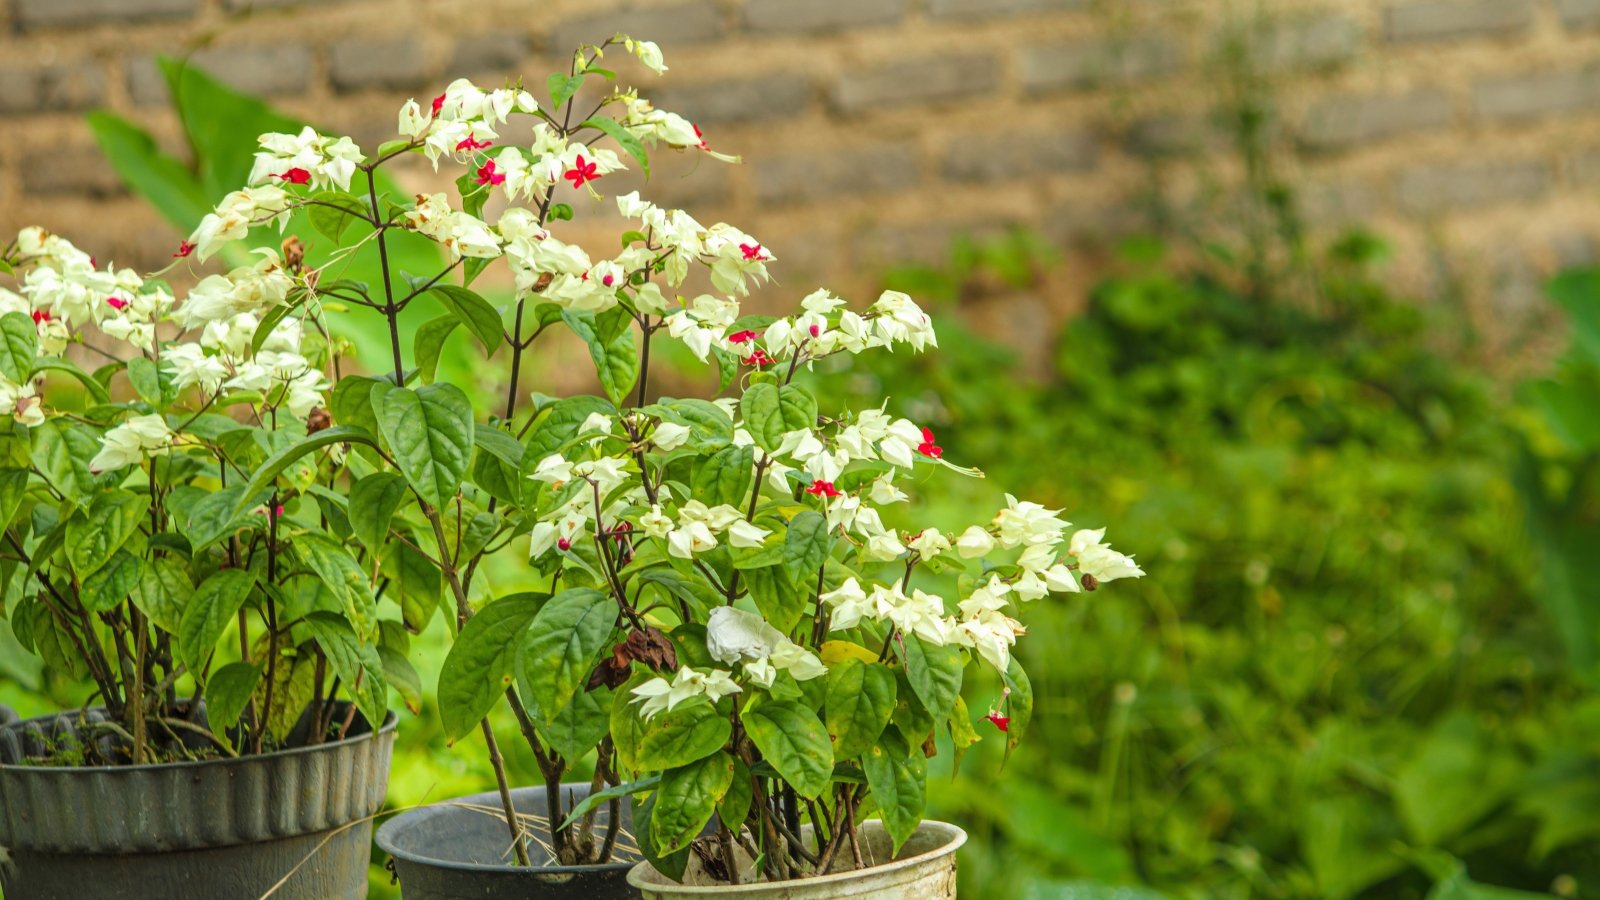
(924, 869)
(461, 848)
(297, 820)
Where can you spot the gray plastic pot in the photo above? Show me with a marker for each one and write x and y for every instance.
(218, 828)
(924, 869)
(7, 715)
(461, 849)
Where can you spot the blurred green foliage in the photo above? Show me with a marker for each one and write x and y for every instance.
(1337, 680)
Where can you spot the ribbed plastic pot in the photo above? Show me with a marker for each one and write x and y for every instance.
(231, 828)
(7, 715)
(924, 869)
(461, 849)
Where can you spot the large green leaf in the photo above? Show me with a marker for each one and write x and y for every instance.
(1019, 704)
(428, 345)
(228, 692)
(860, 700)
(95, 534)
(794, 742)
(680, 736)
(616, 359)
(478, 668)
(164, 592)
(117, 579)
(776, 597)
(808, 542)
(725, 476)
(770, 411)
(898, 778)
(355, 661)
(625, 139)
(217, 515)
(686, 799)
(578, 728)
(342, 575)
(562, 645)
(261, 480)
(19, 344)
(935, 674)
(213, 606)
(482, 319)
(430, 433)
(159, 178)
(373, 501)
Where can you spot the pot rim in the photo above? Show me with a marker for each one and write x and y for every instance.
(958, 837)
(391, 722)
(382, 838)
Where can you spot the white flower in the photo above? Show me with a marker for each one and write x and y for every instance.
(849, 604)
(746, 534)
(899, 444)
(658, 694)
(921, 614)
(733, 635)
(131, 442)
(669, 436)
(883, 548)
(648, 53)
(992, 634)
(974, 542)
(690, 538)
(305, 158)
(1098, 560)
(1060, 579)
(655, 523)
(1025, 522)
(900, 319)
(929, 543)
(191, 366)
(20, 401)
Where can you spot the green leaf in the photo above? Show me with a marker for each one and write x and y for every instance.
(1019, 704)
(860, 700)
(331, 212)
(615, 792)
(794, 742)
(562, 87)
(725, 476)
(351, 402)
(478, 668)
(710, 428)
(403, 677)
(96, 389)
(414, 582)
(213, 606)
(1458, 775)
(807, 545)
(93, 535)
(274, 465)
(430, 432)
(342, 575)
(482, 319)
(935, 674)
(146, 379)
(763, 417)
(616, 361)
(429, 343)
(164, 592)
(776, 597)
(735, 804)
(13, 485)
(562, 646)
(624, 138)
(228, 692)
(373, 501)
(898, 779)
(159, 178)
(215, 516)
(672, 865)
(680, 736)
(355, 661)
(578, 728)
(108, 587)
(687, 798)
(19, 345)
(962, 734)
(62, 450)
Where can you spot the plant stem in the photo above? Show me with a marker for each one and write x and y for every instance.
(519, 845)
(389, 310)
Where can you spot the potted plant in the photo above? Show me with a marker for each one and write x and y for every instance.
(169, 541)
(717, 606)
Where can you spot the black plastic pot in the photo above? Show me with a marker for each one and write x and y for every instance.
(461, 849)
(231, 828)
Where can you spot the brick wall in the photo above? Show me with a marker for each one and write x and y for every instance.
(1468, 131)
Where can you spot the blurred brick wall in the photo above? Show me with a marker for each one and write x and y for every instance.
(1466, 130)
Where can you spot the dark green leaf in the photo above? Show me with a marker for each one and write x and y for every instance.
(429, 343)
(274, 465)
(935, 674)
(562, 646)
(680, 736)
(105, 589)
(331, 212)
(807, 545)
(794, 742)
(776, 597)
(725, 476)
(687, 798)
(478, 669)
(898, 778)
(213, 606)
(860, 701)
(228, 692)
(430, 433)
(482, 319)
(373, 501)
(624, 138)
(93, 535)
